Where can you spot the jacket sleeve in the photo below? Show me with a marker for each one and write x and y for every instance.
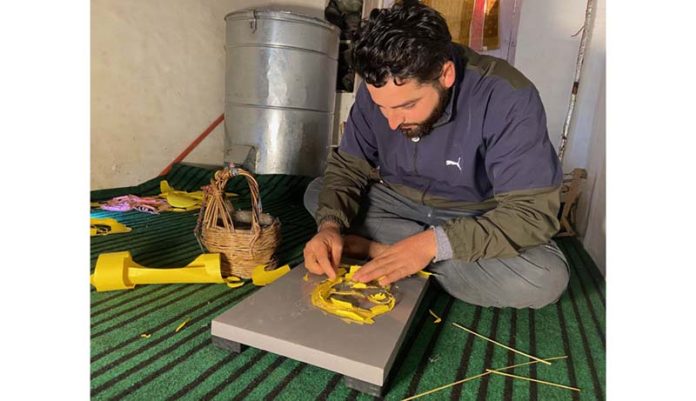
(350, 167)
(526, 175)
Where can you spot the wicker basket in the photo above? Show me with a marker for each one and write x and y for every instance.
(244, 239)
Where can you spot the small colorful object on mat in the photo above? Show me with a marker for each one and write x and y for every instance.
(352, 301)
(125, 203)
(169, 200)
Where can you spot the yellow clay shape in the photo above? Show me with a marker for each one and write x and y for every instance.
(260, 276)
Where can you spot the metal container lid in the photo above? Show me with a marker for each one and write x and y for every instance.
(281, 15)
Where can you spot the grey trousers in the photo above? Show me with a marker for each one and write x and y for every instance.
(537, 277)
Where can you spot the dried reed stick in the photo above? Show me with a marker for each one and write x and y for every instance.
(477, 376)
(449, 385)
(533, 380)
(502, 345)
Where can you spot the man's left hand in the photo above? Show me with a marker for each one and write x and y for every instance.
(400, 260)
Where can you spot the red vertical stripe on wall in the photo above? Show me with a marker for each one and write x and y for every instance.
(477, 20)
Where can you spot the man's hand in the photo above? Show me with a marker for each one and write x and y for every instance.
(322, 254)
(358, 247)
(400, 260)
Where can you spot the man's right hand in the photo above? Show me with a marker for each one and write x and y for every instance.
(322, 254)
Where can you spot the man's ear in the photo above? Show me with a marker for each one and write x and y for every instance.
(448, 74)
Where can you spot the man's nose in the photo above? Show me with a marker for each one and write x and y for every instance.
(395, 119)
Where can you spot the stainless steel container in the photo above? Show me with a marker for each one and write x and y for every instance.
(280, 90)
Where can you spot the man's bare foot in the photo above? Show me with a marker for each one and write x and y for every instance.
(359, 247)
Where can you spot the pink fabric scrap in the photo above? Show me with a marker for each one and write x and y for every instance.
(152, 205)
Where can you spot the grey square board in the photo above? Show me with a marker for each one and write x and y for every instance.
(281, 319)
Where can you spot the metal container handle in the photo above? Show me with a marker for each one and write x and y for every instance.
(252, 23)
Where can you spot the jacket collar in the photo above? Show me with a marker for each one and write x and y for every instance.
(450, 112)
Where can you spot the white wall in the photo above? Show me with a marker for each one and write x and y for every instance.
(158, 71)
(547, 54)
(586, 144)
(592, 210)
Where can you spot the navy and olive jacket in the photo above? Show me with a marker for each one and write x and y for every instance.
(489, 154)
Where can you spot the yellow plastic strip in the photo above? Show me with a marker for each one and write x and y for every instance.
(437, 318)
(341, 304)
(234, 282)
(181, 326)
(260, 276)
(114, 226)
(424, 274)
(164, 187)
(146, 335)
(353, 268)
(180, 200)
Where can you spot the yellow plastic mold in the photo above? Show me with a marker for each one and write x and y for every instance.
(118, 271)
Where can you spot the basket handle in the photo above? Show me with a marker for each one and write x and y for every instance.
(256, 207)
(220, 182)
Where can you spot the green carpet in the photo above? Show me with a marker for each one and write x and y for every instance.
(173, 365)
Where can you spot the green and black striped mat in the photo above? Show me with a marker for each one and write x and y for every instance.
(173, 365)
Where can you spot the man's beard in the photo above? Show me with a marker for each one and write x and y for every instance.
(411, 130)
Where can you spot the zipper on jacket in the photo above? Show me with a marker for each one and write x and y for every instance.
(415, 169)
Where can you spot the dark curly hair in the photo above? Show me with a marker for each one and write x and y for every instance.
(409, 40)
